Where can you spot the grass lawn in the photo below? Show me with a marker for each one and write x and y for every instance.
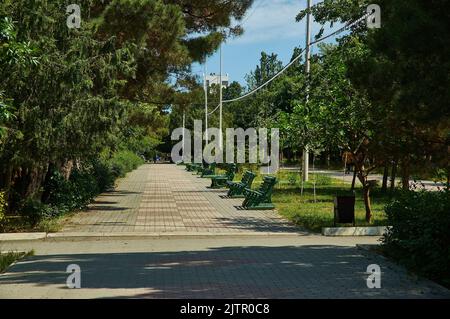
(6, 259)
(313, 215)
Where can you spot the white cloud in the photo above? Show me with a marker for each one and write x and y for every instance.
(270, 20)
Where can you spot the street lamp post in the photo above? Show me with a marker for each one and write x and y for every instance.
(220, 103)
(308, 71)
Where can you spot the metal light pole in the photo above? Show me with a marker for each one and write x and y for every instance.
(205, 84)
(184, 128)
(221, 98)
(308, 71)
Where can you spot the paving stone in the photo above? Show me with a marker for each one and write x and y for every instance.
(155, 197)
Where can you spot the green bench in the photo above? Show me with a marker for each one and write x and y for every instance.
(210, 170)
(220, 181)
(191, 167)
(198, 169)
(236, 189)
(261, 198)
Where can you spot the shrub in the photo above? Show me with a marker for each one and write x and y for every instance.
(34, 210)
(123, 162)
(62, 196)
(292, 179)
(103, 175)
(75, 193)
(420, 237)
(2, 208)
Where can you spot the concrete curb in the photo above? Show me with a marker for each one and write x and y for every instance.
(136, 235)
(22, 236)
(168, 235)
(355, 231)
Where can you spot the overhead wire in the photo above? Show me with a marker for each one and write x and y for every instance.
(253, 91)
(340, 30)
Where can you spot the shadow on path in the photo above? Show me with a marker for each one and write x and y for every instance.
(226, 272)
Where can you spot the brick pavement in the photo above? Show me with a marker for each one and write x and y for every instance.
(275, 267)
(164, 198)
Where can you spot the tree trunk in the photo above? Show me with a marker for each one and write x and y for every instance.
(448, 178)
(366, 195)
(328, 159)
(354, 179)
(366, 192)
(66, 169)
(405, 175)
(385, 178)
(393, 175)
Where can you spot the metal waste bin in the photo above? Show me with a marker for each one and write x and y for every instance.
(344, 209)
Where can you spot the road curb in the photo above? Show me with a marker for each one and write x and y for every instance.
(8, 237)
(22, 236)
(164, 235)
(355, 231)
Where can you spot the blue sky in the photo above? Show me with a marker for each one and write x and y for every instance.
(269, 26)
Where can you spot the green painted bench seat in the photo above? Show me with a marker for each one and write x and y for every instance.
(261, 198)
(236, 189)
(210, 170)
(220, 181)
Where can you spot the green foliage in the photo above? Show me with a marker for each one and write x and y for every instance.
(3, 204)
(70, 93)
(6, 259)
(293, 178)
(63, 196)
(72, 194)
(123, 162)
(33, 211)
(103, 174)
(420, 237)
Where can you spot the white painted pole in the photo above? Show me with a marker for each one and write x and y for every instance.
(184, 127)
(206, 103)
(308, 71)
(221, 103)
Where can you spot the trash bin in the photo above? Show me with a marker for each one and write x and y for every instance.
(344, 209)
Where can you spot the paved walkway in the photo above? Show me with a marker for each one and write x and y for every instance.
(229, 267)
(166, 199)
(257, 255)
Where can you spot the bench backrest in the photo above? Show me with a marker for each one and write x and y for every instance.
(248, 178)
(267, 185)
(231, 169)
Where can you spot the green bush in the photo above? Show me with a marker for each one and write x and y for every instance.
(420, 236)
(293, 179)
(103, 175)
(2, 208)
(75, 193)
(123, 162)
(62, 196)
(33, 210)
